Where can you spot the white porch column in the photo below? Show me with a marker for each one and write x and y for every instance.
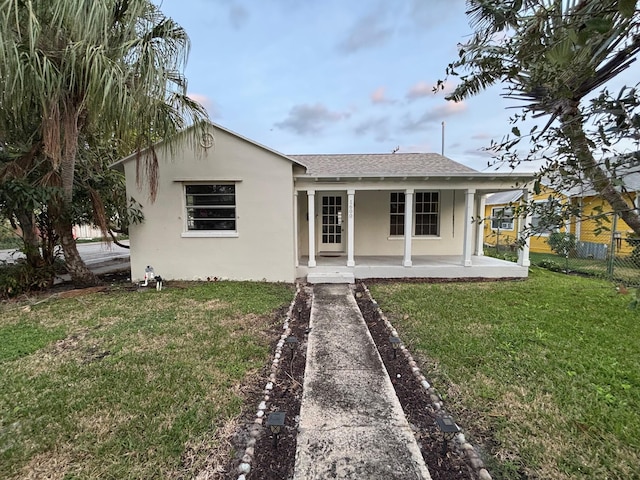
(523, 252)
(311, 209)
(408, 226)
(467, 247)
(295, 228)
(350, 228)
(480, 223)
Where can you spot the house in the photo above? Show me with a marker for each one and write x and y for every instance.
(596, 228)
(232, 208)
(501, 226)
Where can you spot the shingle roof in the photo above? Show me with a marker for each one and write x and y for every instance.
(381, 165)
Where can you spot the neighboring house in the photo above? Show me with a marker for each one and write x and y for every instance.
(239, 210)
(502, 227)
(596, 228)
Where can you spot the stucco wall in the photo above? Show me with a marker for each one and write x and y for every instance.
(263, 248)
(371, 225)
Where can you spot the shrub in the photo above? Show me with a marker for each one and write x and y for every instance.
(20, 277)
(550, 265)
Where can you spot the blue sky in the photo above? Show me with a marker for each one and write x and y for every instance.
(333, 76)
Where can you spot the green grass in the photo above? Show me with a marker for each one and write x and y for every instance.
(543, 374)
(130, 384)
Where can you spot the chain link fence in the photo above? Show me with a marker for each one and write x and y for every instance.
(613, 255)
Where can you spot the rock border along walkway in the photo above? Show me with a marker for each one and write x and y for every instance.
(351, 422)
(472, 455)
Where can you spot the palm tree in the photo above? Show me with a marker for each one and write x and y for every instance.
(554, 54)
(109, 66)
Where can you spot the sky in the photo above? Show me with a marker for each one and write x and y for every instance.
(336, 76)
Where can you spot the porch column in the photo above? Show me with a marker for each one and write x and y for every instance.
(295, 228)
(350, 235)
(311, 209)
(523, 252)
(467, 247)
(408, 226)
(480, 225)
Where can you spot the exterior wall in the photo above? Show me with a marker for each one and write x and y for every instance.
(371, 225)
(263, 247)
(593, 206)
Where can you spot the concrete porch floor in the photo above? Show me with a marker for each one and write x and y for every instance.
(424, 266)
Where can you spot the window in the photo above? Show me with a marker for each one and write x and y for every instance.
(211, 207)
(427, 213)
(545, 217)
(396, 226)
(502, 218)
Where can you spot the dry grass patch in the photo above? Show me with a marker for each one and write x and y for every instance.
(145, 384)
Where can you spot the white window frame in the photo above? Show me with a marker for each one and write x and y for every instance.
(504, 218)
(415, 214)
(536, 218)
(212, 233)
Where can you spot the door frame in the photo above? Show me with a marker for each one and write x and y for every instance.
(337, 248)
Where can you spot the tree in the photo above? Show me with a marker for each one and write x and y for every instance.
(557, 56)
(111, 67)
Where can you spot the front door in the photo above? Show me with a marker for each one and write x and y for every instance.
(331, 232)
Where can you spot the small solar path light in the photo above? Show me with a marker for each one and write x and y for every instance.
(275, 422)
(448, 428)
(395, 343)
(292, 343)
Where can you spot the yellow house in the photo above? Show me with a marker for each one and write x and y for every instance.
(596, 229)
(501, 226)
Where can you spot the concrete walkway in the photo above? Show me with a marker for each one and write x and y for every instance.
(351, 423)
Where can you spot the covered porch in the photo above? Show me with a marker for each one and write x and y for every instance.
(396, 216)
(334, 269)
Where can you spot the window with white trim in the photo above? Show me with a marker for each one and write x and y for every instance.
(396, 209)
(545, 217)
(426, 214)
(427, 208)
(211, 207)
(502, 218)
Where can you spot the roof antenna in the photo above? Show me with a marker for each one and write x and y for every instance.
(442, 139)
(395, 149)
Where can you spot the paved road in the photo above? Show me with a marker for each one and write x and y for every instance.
(91, 253)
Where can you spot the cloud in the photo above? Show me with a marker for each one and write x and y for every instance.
(481, 136)
(238, 16)
(419, 90)
(207, 103)
(378, 126)
(379, 96)
(368, 32)
(306, 119)
(434, 115)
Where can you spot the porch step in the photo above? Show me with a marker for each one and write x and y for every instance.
(330, 277)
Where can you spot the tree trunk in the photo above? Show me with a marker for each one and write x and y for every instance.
(573, 128)
(80, 273)
(81, 276)
(30, 239)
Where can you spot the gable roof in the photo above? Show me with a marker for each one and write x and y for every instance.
(504, 198)
(212, 126)
(381, 165)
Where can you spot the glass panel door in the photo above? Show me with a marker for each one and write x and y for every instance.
(331, 235)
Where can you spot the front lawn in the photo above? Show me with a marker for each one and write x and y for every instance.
(127, 384)
(542, 374)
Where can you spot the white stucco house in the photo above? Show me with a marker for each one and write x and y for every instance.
(232, 208)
